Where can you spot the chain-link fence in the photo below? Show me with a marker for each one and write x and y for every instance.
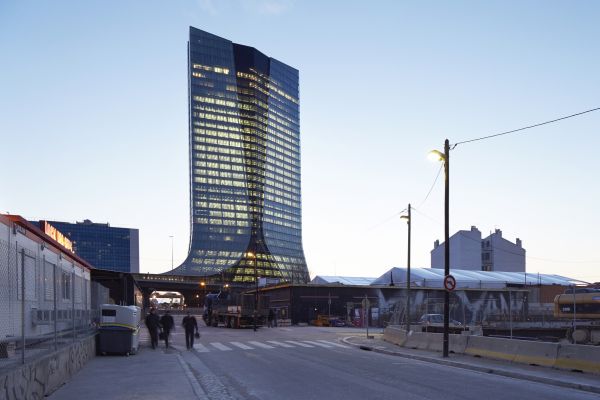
(45, 302)
(467, 308)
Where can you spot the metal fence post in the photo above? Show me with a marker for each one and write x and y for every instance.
(73, 299)
(22, 305)
(54, 311)
(510, 313)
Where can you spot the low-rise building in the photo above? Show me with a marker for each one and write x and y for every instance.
(469, 251)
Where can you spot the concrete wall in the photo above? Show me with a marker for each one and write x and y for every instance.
(41, 377)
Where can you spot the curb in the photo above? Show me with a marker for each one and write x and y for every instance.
(494, 371)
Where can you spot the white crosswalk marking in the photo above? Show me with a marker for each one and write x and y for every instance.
(280, 344)
(318, 344)
(333, 344)
(220, 346)
(299, 343)
(201, 348)
(259, 344)
(270, 344)
(241, 345)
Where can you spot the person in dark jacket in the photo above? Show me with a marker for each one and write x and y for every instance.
(270, 318)
(153, 325)
(191, 326)
(167, 324)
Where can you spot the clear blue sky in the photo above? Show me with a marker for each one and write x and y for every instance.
(93, 120)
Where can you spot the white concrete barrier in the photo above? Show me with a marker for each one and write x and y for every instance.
(535, 353)
(394, 334)
(417, 340)
(578, 357)
(458, 343)
(570, 357)
(497, 348)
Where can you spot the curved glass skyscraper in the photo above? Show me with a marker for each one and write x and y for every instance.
(244, 164)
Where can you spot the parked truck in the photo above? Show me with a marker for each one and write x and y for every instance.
(235, 310)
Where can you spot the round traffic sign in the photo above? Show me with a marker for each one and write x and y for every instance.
(449, 283)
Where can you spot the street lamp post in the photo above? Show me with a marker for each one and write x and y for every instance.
(252, 256)
(445, 158)
(203, 298)
(408, 220)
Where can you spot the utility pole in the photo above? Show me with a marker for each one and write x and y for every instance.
(408, 275)
(447, 244)
(407, 313)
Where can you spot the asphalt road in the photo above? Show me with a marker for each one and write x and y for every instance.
(288, 363)
(236, 364)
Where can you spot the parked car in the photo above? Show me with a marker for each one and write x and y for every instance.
(436, 319)
(435, 323)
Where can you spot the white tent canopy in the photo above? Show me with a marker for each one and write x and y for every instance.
(434, 278)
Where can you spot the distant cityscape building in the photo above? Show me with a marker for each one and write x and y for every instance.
(469, 251)
(103, 246)
(244, 154)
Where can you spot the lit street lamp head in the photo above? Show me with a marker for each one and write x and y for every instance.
(435, 155)
(405, 217)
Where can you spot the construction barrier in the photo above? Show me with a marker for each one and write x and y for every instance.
(458, 343)
(496, 348)
(577, 357)
(536, 353)
(395, 335)
(574, 357)
(418, 340)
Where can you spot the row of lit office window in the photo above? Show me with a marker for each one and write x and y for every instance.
(220, 221)
(221, 206)
(282, 229)
(288, 136)
(239, 152)
(220, 166)
(216, 109)
(285, 194)
(277, 156)
(281, 200)
(287, 144)
(274, 113)
(250, 173)
(217, 101)
(267, 85)
(282, 208)
(281, 223)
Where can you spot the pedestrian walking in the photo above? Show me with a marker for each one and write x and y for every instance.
(167, 325)
(270, 318)
(153, 325)
(191, 327)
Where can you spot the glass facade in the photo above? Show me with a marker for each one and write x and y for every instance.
(104, 247)
(244, 164)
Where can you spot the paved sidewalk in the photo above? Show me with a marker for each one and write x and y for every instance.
(149, 375)
(574, 380)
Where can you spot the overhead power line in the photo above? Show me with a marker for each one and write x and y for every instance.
(524, 128)
(432, 186)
